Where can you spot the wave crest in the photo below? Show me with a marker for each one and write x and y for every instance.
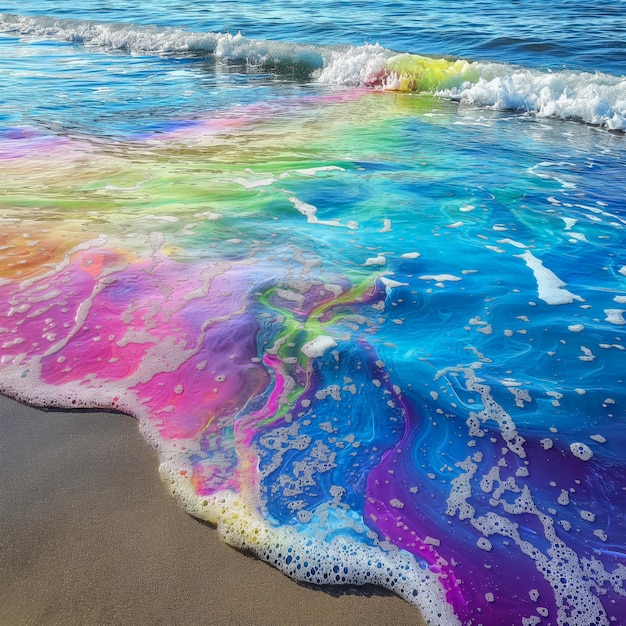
(593, 98)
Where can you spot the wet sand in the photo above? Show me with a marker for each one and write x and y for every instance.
(88, 535)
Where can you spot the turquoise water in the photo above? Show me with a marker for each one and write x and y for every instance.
(369, 307)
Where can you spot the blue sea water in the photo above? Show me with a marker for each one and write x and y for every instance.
(100, 87)
(492, 203)
(584, 35)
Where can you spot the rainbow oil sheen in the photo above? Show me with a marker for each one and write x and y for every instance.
(369, 308)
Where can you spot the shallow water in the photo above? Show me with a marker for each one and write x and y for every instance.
(369, 309)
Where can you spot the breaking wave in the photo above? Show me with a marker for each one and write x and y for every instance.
(594, 98)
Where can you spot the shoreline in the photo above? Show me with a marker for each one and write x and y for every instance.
(89, 535)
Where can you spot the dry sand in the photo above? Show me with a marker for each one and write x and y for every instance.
(88, 535)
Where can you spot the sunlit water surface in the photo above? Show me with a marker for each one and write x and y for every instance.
(369, 309)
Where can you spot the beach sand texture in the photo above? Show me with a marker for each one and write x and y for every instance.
(89, 535)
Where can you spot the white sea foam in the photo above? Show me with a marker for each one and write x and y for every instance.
(550, 287)
(142, 39)
(318, 346)
(353, 66)
(594, 98)
(130, 37)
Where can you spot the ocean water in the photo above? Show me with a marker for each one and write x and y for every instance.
(357, 268)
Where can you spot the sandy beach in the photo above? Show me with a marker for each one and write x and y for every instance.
(88, 535)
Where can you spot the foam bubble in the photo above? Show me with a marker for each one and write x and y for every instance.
(311, 560)
(318, 346)
(615, 316)
(581, 451)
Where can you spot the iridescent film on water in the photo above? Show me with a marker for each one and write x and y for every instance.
(358, 271)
